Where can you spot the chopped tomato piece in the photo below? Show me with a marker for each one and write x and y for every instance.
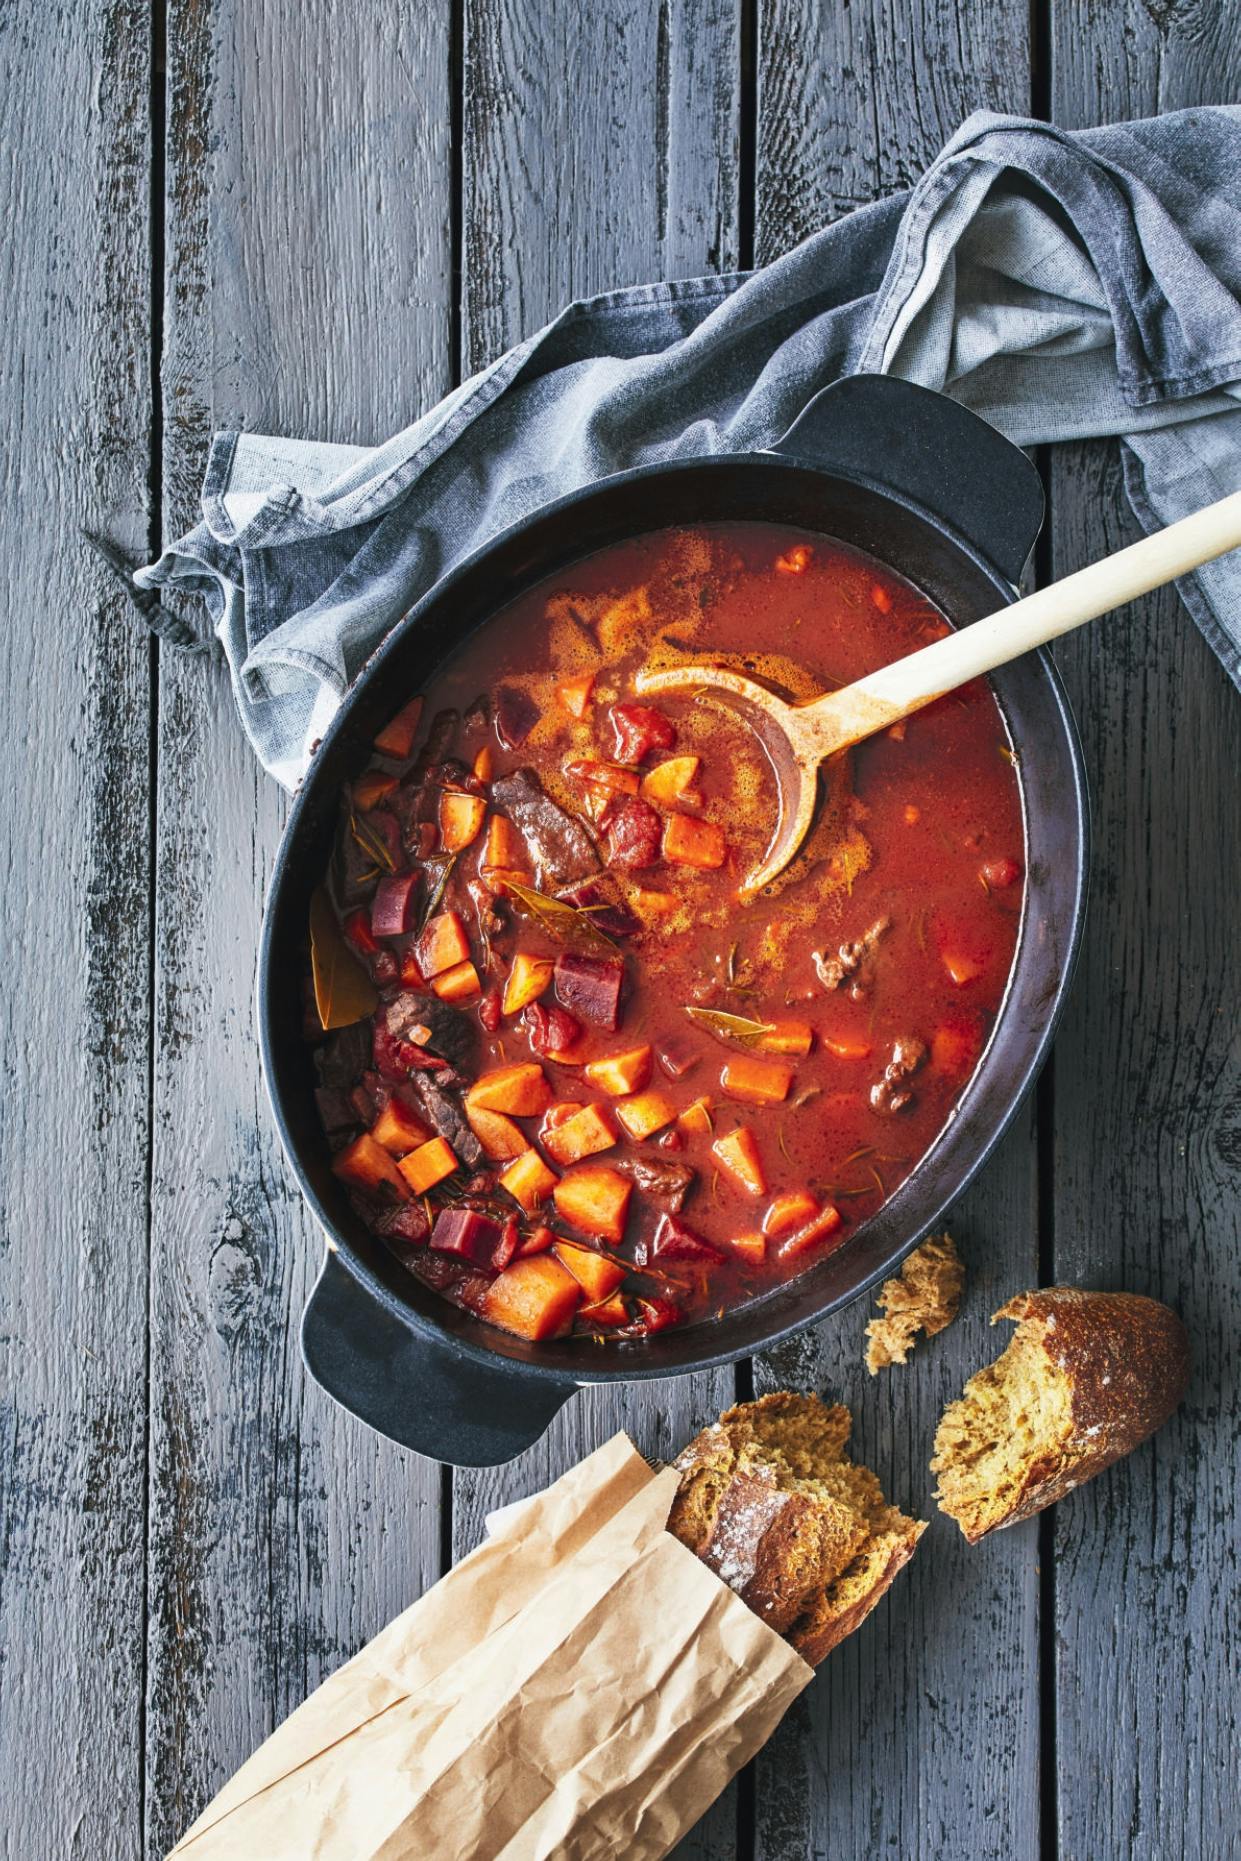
(499, 1136)
(553, 1031)
(668, 781)
(688, 842)
(397, 737)
(507, 1245)
(999, 874)
(461, 819)
(528, 1180)
(490, 1013)
(368, 1166)
(526, 981)
(633, 832)
(595, 1200)
(398, 1129)
(583, 1135)
(788, 1211)
(619, 1074)
(638, 729)
(372, 788)
(458, 984)
(428, 1165)
(442, 945)
(738, 1156)
(656, 1315)
(645, 1113)
(357, 928)
(538, 1241)
(534, 1298)
(521, 1090)
(756, 1082)
(595, 1273)
(574, 693)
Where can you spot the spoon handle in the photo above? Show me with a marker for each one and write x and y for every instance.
(909, 683)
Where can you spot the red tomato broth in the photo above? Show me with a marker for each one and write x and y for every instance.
(933, 803)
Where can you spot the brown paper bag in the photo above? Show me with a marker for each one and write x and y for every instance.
(580, 1686)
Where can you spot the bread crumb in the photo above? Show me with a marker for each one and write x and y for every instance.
(924, 1296)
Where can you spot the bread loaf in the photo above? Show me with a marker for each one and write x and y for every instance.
(771, 1502)
(1087, 1376)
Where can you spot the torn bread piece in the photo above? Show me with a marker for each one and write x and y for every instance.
(1086, 1377)
(924, 1296)
(771, 1502)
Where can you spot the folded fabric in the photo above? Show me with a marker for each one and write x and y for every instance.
(1062, 285)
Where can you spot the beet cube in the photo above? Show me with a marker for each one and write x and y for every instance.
(677, 1054)
(392, 910)
(515, 715)
(466, 1233)
(335, 1111)
(590, 986)
(657, 1315)
(638, 729)
(551, 1030)
(633, 832)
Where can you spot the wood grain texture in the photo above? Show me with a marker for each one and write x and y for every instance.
(622, 170)
(309, 264)
(75, 410)
(1148, 1109)
(852, 103)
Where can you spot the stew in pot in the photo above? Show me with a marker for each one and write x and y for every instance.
(566, 1077)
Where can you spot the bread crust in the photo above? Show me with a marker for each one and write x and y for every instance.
(817, 1634)
(1125, 1360)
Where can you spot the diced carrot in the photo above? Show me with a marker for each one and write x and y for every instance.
(611, 1311)
(737, 1155)
(788, 1211)
(526, 981)
(370, 789)
(847, 1046)
(913, 814)
(957, 1043)
(458, 984)
(485, 763)
(645, 1113)
(618, 1074)
(587, 1132)
(398, 1129)
(756, 1082)
(520, 1089)
(499, 1136)
(668, 780)
(696, 1118)
(752, 1248)
(528, 1180)
(499, 879)
(504, 846)
(595, 1200)
(534, 1298)
(574, 693)
(461, 819)
(397, 737)
(824, 1225)
(536, 1242)
(693, 843)
(787, 1037)
(442, 945)
(367, 1165)
(961, 967)
(897, 730)
(411, 976)
(559, 1114)
(654, 904)
(881, 598)
(595, 1273)
(428, 1165)
(795, 561)
(614, 777)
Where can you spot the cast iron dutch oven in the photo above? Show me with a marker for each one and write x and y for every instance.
(941, 497)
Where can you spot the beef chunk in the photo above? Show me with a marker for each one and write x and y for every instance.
(344, 1055)
(633, 832)
(560, 844)
(444, 1115)
(335, 1111)
(453, 1036)
(851, 961)
(405, 1226)
(892, 1092)
(665, 1183)
(590, 986)
(439, 741)
(515, 715)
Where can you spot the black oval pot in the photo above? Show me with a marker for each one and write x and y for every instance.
(922, 485)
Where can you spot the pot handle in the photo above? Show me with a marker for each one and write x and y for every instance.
(414, 1390)
(926, 447)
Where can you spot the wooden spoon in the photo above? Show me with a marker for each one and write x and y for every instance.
(797, 737)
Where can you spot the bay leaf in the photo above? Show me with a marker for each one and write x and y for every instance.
(738, 1029)
(344, 993)
(571, 925)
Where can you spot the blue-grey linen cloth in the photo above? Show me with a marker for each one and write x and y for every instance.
(1060, 285)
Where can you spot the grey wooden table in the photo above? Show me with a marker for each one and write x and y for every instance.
(312, 218)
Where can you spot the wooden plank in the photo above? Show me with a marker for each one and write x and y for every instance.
(1148, 1166)
(308, 292)
(852, 103)
(75, 411)
(626, 172)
